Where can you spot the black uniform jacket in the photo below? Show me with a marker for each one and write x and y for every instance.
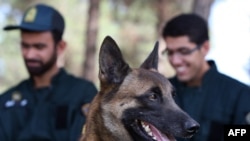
(45, 114)
(220, 100)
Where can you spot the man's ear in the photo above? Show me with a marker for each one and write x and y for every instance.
(205, 47)
(61, 46)
(60, 50)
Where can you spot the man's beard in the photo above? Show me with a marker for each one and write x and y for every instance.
(43, 67)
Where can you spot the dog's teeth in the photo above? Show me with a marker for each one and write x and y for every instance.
(147, 129)
(150, 133)
(143, 123)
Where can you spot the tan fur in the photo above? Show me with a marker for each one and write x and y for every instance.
(124, 101)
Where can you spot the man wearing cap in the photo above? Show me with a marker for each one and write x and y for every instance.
(46, 106)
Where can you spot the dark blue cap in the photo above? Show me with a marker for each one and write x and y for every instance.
(40, 18)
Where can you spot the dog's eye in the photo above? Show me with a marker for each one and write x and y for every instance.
(152, 96)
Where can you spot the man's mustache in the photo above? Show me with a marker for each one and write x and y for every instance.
(33, 61)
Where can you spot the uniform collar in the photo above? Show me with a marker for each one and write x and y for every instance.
(56, 78)
(211, 72)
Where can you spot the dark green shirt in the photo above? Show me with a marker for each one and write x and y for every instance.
(45, 114)
(220, 100)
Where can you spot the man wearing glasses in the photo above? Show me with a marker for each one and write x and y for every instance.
(210, 97)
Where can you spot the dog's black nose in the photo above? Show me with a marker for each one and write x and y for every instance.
(192, 127)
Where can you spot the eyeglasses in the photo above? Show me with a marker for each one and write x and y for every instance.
(183, 51)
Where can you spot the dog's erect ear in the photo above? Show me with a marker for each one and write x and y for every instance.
(151, 63)
(112, 67)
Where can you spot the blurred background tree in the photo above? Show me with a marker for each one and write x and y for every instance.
(134, 24)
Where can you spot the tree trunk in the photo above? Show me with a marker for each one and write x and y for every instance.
(163, 14)
(202, 7)
(91, 38)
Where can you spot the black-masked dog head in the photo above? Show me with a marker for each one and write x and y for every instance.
(135, 104)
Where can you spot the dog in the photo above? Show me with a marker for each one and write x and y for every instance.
(134, 104)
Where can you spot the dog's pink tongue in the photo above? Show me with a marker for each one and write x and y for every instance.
(159, 136)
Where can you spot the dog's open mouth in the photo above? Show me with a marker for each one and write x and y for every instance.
(152, 132)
